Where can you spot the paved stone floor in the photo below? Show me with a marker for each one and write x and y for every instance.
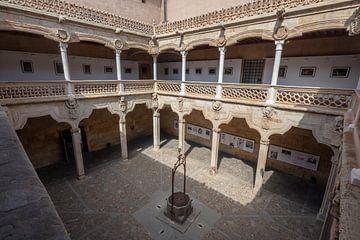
(101, 205)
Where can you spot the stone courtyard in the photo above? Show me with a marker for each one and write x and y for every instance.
(102, 205)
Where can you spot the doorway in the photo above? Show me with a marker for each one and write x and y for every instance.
(144, 71)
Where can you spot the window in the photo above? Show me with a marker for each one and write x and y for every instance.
(307, 71)
(166, 71)
(127, 70)
(108, 69)
(87, 68)
(26, 66)
(212, 71)
(187, 71)
(282, 71)
(175, 71)
(59, 70)
(253, 71)
(228, 71)
(198, 71)
(340, 72)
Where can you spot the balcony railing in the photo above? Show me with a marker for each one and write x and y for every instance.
(285, 96)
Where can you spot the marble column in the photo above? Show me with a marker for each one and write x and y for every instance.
(222, 51)
(183, 71)
(154, 66)
(261, 163)
(118, 69)
(329, 186)
(275, 74)
(123, 139)
(215, 150)
(65, 63)
(156, 129)
(182, 131)
(79, 162)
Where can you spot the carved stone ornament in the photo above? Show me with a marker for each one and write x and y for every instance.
(181, 104)
(221, 41)
(118, 30)
(280, 33)
(72, 104)
(217, 106)
(154, 101)
(62, 19)
(280, 14)
(62, 35)
(268, 112)
(339, 124)
(123, 104)
(118, 44)
(153, 47)
(355, 25)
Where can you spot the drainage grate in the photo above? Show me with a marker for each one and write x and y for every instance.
(200, 225)
(162, 231)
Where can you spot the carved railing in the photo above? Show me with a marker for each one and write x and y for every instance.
(315, 98)
(82, 13)
(231, 14)
(200, 89)
(95, 87)
(338, 98)
(168, 87)
(25, 90)
(131, 86)
(245, 92)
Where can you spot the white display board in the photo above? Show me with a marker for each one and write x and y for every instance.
(198, 131)
(297, 158)
(237, 142)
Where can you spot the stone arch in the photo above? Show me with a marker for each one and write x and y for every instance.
(303, 140)
(84, 37)
(255, 33)
(26, 28)
(40, 137)
(334, 24)
(141, 46)
(199, 42)
(169, 46)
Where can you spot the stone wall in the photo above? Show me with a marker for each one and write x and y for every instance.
(139, 122)
(295, 139)
(102, 129)
(41, 140)
(145, 11)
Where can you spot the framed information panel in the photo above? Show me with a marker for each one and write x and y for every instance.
(293, 157)
(198, 131)
(237, 142)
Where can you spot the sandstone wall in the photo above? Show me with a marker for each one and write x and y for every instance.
(134, 9)
(139, 122)
(41, 140)
(295, 139)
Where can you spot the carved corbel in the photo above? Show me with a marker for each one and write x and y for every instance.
(280, 33)
(153, 47)
(123, 105)
(181, 104)
(72, 106)
(154, 102)
(354, 27)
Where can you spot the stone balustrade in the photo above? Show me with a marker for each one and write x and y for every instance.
(19, 92)
(80, 13)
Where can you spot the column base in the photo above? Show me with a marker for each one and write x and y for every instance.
(81, 177)
(213, 171)
(156, 148)
(124, 159)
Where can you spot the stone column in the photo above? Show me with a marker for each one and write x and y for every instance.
(154, 66)
(260, 166)
(156, 129)
(358, 85)
(182, 131)
(215, 150)
(222, 51)
(64, 59)
(79, 162)
(118, 69)
(123, 139)
(183, 71)
(329, 187)
(275, 74)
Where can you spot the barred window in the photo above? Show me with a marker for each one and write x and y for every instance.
(253, 71)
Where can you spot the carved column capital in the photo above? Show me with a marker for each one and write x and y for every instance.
(216, 130)
(75, 130)
(264, 141)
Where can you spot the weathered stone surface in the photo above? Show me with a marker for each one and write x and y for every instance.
(26, 211)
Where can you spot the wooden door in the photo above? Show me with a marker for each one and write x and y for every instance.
(144, 71)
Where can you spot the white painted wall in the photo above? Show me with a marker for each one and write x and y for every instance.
(204, 65)
(323, 66)
(43, 65)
